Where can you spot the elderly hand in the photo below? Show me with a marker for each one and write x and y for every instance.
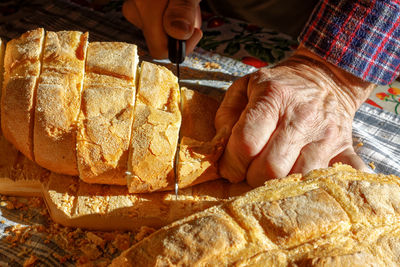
(291, 118)
(180, 19)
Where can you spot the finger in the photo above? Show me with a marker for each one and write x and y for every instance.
(278, 156)
(193, 41)
(317, 154)
(180, 18)
(313, 156)
(131, 13)
(348, 156)
(197, 33)
(250, 133)
(233, 104)
(152, 26)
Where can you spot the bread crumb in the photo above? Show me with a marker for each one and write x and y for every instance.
(80, 247)
(90, 251)
(211, 65)
(360, 144)
(61, 259)
(7, 204)
(372, 165)
(122, 241)
(95, 239)
(31, 261)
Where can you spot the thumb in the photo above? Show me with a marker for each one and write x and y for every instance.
(181, 17)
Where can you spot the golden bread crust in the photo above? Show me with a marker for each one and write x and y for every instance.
(157, 120)
(21, 72)
(58, 101)
(330, 217)
(105, 120)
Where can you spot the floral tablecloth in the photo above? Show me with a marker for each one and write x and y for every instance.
(236, 48)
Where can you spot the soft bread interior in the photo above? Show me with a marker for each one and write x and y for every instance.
(157, 120)
(201, 146)
(22, 64)
(58, 100)
(105, 120)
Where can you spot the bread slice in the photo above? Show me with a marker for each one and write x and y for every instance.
(200, 145)
(22, 65)
(336, 216)
(157, 120)
(58, 101)
(105, 120)
(72, 202)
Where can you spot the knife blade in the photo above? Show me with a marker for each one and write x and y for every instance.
(177, 54)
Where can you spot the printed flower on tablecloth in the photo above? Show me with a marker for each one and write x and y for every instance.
(255, 62)
(392, 95)
(249, 43)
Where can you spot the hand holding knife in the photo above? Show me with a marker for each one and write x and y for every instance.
(177, 54)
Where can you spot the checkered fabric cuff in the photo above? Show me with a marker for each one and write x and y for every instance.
(362, 37)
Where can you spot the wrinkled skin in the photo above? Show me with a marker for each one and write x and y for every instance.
(180, 19)
(292, 118)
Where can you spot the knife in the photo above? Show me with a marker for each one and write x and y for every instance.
(177, 54)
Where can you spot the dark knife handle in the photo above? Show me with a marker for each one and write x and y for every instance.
(176, 50)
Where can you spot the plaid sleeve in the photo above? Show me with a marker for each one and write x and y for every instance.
(362, 37)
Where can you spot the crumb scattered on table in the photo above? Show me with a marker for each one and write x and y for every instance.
(212, 65)
(79, 247)
(31, 261)
(372, 165)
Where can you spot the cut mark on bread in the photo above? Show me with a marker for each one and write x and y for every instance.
(31, 129)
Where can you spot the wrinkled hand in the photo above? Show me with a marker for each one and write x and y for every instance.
(292, 118)
(180, 19)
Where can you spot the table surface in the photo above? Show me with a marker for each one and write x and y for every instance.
(238, 48)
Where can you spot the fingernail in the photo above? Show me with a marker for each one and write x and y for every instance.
(181, 25)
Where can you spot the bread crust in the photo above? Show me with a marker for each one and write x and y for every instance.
(58, 101)
(21, 71)
(74, 203)
(105, 120)
(331, 217)
(157, 120)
